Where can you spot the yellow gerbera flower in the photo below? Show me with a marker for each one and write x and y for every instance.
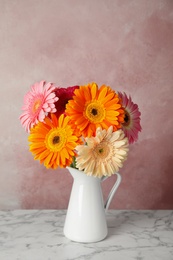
(53, 142)
(103, 154)
(92, 108)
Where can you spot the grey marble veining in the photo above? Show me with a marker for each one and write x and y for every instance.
(38, 235)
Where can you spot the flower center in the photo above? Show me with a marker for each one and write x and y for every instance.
(126, 118)
(36, 105)
(56, 139)
(102, 150)
(95, 112)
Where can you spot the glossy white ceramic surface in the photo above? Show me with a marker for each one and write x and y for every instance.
(85, 220)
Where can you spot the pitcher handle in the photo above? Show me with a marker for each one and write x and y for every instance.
(113, 190)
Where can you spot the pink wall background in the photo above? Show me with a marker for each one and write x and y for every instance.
(126, 44)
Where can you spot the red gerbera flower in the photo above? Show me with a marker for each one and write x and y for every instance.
(64, 95)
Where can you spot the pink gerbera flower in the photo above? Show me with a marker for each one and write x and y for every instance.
(64, 95)
(131, 125)
(37, 103)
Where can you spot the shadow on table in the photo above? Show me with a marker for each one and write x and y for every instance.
(126, 221)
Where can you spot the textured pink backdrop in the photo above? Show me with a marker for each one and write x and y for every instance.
(125, 44)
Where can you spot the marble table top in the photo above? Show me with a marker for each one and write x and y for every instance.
(38, 235)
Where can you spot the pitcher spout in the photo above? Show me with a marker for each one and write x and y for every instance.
(74, 172)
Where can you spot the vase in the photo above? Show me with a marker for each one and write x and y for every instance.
(86, 219)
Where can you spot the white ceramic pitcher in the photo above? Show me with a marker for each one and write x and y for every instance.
(85, 220)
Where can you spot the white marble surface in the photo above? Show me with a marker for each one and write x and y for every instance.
(38, 235)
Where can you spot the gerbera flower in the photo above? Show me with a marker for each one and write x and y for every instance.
(131, 125)
(53, 142)
(92, 108)
(103, 154)
(37, 103)
(64, 95)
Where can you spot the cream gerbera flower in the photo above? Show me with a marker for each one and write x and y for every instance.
(103, 154)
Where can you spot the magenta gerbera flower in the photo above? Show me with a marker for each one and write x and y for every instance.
(38, 102)
(64, 95)
(131, 125)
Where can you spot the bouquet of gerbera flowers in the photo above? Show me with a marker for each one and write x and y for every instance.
(85, 127)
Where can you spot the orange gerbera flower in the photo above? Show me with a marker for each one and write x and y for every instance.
(53, 142)
(92, 108)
